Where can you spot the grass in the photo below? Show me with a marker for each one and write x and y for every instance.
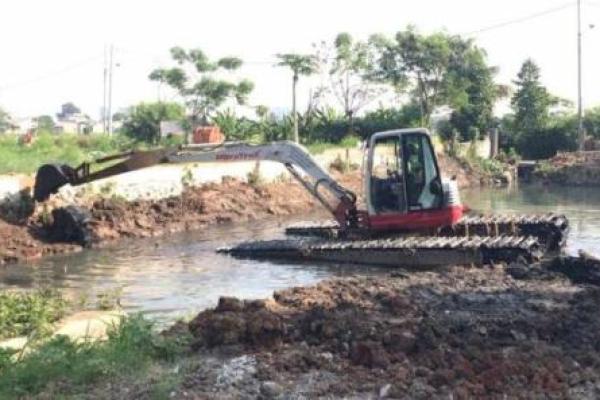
(64, 368)
(320, 147)
(27, 313)
(72, 149)
(64, 148)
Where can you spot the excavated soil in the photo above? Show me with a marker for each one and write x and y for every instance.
(227, 202)
(464, 174)
(112, 218)
(460, 333)
(572, 169)
(27, 243)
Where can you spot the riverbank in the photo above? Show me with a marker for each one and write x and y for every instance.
(571, 169)
(113, 216)
(516, 331)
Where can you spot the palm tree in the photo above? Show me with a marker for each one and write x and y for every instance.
(300, 65)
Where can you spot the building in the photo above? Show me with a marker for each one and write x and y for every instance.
(74, 123)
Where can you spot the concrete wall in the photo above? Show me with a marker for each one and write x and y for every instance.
(482, 148)
(163, 181)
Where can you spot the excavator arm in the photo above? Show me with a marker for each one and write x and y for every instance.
(51, 177)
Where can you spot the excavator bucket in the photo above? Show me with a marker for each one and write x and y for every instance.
(50, 178)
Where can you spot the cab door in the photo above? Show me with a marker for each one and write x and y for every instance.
(422, 178)
(385, 176)
(403, 184)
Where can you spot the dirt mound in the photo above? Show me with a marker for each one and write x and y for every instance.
(573, 169)
(236, 322)
(466, 333)
(113, 218)
(465, 175)
(230, 201)
(27, 243)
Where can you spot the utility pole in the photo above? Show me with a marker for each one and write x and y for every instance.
(110, 86)
(295, 114)
(104, 126)
(580, 130)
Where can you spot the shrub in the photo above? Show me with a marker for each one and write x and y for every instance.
(23, 313)
(143, 121)
(545, 143)
(130, 347)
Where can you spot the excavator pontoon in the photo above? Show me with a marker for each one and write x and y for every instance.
(411, 216)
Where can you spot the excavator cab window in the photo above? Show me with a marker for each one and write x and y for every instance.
(387, 176)
(423, 182)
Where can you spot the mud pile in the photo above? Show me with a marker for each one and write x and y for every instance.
(465, 333)
(27, 243)
(112, 218)
(465, 175)
(574, 169)
(230, 201)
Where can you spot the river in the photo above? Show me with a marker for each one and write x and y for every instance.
(178, 275)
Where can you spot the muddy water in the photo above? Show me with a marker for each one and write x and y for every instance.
(173, 276)
(181, 274)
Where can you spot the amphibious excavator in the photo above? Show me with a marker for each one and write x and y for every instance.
(411, 215)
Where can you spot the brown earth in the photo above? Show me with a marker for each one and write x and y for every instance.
(573, 169)
(465, 175)
(26, 243)
(459, 333)
(112, 218)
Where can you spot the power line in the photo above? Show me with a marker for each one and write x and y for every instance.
(519, 20)
(157, 57)
(50, 74)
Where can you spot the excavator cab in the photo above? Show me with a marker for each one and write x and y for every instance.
(403, 184)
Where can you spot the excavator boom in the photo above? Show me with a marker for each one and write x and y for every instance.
(51, 177)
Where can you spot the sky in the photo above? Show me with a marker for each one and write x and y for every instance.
(52, 51)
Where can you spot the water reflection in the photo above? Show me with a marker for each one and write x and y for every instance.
(172, 276)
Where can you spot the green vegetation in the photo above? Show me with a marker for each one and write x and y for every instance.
(300, 64)
(410, 73)
(439, 69)
(26, 313)
(62, 367)
(348, 67)
(349, 142)
(533, 131)
(4, 121)
(65, 148)
(194, 78)
(142, 123)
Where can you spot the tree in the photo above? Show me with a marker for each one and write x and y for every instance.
(417, 63)
(4, 121)
(470, 90)
(537, 134)
(439, 69)
(195, 79)
(119, 116)
(531, 101)
(300, 65)
(68, 110)
(348, 65)
(45, 123)
(143, 120)
(592, 122)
